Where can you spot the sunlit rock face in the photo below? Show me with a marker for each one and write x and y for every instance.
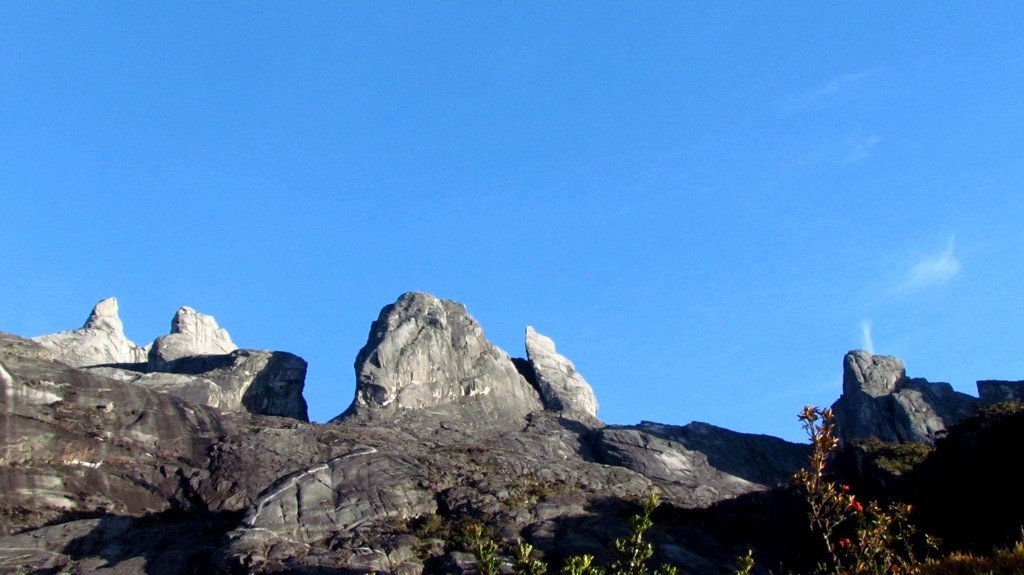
(561, 386)
(192, 333)
(100, 341)
(424, 352)
(196, 362)
(880, 401)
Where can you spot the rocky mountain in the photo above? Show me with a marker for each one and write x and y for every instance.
(196, 361)
(424, 352)
(191, 456)
(880, 401)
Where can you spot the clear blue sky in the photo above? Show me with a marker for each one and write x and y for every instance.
(705, 204)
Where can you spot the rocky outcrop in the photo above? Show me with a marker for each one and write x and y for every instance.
(192, 334)
(257, 381)
(196, 362)
(700, 464)
(424, 352)
(101, 341)
(995, 391)
(880, 401)
(102, 474)
(561, 387)
(130, 474)
(75, 442)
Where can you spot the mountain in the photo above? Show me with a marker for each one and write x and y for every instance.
(190, 455)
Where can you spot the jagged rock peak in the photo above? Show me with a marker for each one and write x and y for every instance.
(423, 352)
(561, 387)
(104, 316)
(875, 375)
(100, 341)
(880, 401)
(203, 329)
(192, 333)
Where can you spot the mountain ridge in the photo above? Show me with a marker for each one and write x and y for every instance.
(442, 425)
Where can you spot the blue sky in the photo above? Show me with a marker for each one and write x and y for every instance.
(704, 204)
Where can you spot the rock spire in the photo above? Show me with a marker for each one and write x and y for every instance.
(425, 352)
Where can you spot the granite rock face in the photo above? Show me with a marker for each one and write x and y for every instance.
(424, 352)
(880, 401)
(192, 333)
(75, 441)
(196, 362)
(99, 474)
(101, 341)
(561, 387)
(257, 381)
(700, 464)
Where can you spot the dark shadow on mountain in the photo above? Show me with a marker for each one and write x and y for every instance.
(171, 542)
(698, 541)
(140, 367)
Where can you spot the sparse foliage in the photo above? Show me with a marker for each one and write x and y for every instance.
(859, 539)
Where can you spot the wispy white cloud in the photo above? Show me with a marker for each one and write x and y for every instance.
(836, 85)
(933, 269)
(831, 88)
(865, 335)
(861, 149)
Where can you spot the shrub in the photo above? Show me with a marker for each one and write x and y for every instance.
(858, 539)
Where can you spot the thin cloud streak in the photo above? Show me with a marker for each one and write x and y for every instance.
(860, 150)
(865, 336)
(833, 87)
(932, 270)
(836, 85)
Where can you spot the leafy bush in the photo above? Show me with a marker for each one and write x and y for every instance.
(858, 539)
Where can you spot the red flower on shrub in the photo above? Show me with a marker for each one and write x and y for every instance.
(856, 507)
(843, 543)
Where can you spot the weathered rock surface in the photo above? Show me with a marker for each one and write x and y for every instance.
(75, 442)
(100, 341)
(561, 387)
(98, 473)
(880, 401)
(994, 391)
(257, 381)
(700, 464)
(424, 352)
(196, 362)
(129, 474)
(192, 333)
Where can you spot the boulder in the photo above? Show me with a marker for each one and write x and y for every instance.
(880, 401)
(101, 341)
(561, 387)
(192, 333)
(424, 352)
